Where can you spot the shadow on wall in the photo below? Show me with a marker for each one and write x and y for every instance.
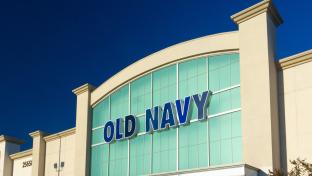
(282, 124)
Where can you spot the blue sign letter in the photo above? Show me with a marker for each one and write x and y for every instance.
(109, 135)
(201, 103)
(168, 117)
(130, 121)
(119, 129)
(152, 118)
(183, 110)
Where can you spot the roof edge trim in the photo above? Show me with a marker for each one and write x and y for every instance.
(257, 9)
(37, 133)
(21, 154)
(221, 42)
(295, 60)
(83, 88)
(60, 134)
(11, 139)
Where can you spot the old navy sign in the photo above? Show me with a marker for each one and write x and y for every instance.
(159, 118)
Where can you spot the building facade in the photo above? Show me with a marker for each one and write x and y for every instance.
(216, 105)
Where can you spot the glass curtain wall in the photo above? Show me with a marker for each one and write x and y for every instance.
(216, 141)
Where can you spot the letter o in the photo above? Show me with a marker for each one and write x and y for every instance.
(109, 132)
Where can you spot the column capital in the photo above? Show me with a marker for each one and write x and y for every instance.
(83, 88)
(38, 152)
(257, 9)
(37, 133)
(260, 120)
(11, 139)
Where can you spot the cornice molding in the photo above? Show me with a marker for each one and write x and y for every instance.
(21, 154)
(295, 60)
(37, 133)
(83, 88)
(11, 139)
(221, 43)
(257, 9)
(60, 134)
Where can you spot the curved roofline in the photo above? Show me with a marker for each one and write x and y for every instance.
(221, 42)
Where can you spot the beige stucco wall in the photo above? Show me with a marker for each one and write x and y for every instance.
(6, 164)
(60, 149)
(19, 170)
(52, 156)
(259, 100)
(38, 153)
(295, 95)
(68, 155)
(83, 130)
(2, 151)
(258, 93)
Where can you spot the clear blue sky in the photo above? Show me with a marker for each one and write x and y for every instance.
(48, 48)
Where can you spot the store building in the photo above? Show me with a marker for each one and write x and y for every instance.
(216, 105)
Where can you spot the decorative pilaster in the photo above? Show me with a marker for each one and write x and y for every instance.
(38, 153)
(83, 129)
(8, 146)
(259, 99)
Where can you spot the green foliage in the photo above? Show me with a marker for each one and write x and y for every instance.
(300, 168)
(276, 172)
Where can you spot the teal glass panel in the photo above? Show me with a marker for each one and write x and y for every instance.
(97, 136)
(235, 98)
(217, 141)
(215, 129)
(215, 124)
(140, 155)
(236, 137)
(219, 72)
(213, 82)
(224, 101)
(140, 95)
(164, 142)
(225, 121)
(193, 146)
(164, 151)
(237, 150)
(141, 124)
(214, 107)
(224, 76)
(100, 113)
(99, 160)
(223, 71)
(226, 151)
(192, 80)
(220, 102)
(120, 103)
(118, 158)
(236, 124)
(235, 69)
(164, 85)
(215, 153)
(225, 139)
